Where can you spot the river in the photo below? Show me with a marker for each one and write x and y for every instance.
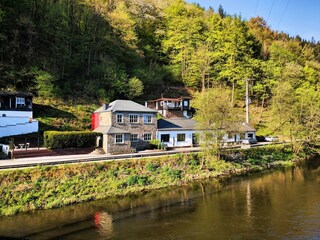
(278, 204)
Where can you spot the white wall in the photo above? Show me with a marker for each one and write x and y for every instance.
(233, 138)
(18, 128)
(173, 138)
(25, 114)
(253, 134)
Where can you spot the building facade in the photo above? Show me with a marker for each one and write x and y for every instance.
(171, 107)
(16, 115)
(126, 126)
(177, 132)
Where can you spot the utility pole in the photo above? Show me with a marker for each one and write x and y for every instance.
(247, 101)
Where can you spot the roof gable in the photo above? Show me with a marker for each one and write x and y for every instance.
(176, 124)
(125, 106)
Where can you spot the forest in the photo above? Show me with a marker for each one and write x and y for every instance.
(101, 50)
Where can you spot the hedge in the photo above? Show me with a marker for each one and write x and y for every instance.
(69, 139)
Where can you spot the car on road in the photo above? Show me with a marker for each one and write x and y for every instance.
(249, 141)
(272, 139)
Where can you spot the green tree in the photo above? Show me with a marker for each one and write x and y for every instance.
(135, 88)
(215, 117)
(45, 84)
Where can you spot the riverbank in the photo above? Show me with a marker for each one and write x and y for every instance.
(56, 186)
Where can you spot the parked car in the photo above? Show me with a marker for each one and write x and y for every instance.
(272, 139)
(249, 141)
(261, 138)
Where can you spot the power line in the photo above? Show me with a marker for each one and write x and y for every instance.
(270, 11)
(256, 8)
(283, 13)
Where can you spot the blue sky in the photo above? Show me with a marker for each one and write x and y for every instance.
(295, 17)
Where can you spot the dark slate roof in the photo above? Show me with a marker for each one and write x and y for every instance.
(109, 130)
(19, 94)
(125, 106)
(177, 124)
(190, 124)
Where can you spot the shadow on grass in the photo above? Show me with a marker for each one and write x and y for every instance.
(49, 111)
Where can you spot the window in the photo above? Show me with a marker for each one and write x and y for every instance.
(134, 137)
(165, 137)
(185, 103)
(20, 102)
(147, 118)
(181, 137)
(147, 136)
(133, 118)
(119, 138)
(119, 118)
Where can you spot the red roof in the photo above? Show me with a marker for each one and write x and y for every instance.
(169, 99)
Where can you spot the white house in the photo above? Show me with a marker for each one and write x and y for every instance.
(183, 132)
(16, 116)
(177, 132)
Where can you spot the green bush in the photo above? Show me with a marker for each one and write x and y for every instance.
(151, 167)
(72, 139)
(137, 180)
(154, 144)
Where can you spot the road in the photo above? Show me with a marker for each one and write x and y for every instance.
(85, 158)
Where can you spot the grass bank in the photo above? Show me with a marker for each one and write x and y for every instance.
(56, 186)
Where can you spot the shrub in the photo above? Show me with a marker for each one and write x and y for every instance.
(137, 180)
(154, 144)
(151, 167)
(72, 139)
(174, 174)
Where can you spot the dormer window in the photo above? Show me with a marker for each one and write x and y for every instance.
(119, 118)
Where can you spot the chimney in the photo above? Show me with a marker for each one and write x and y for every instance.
(105, 106)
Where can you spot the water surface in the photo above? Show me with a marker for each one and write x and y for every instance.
(281, 204)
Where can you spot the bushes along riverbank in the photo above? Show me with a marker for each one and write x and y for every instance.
(57, 186)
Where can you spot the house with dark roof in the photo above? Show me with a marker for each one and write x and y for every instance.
(125, 126)
(183, 132)
(180, 132)
(16, 115)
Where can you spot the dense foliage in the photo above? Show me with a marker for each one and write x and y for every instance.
(72, 139)
(98, 50)
(52, 187)
(119, 48)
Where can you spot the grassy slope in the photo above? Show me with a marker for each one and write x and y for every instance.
(52, 187)
(60, 115)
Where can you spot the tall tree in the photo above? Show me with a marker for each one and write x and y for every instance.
(215, 117)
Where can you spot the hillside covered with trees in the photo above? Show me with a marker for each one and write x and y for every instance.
(101, 50)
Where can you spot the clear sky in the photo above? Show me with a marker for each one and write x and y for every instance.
(295, 17)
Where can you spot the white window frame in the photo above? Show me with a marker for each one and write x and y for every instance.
(185, 103)
(133, 115)
(122, 118)
(20, 101)
(122, 138)
(136, 139)
(145, 117)
(147, 134)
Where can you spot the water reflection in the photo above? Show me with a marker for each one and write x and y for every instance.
(282, 204)
(103, 222)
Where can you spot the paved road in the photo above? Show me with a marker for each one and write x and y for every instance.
(59, 160)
